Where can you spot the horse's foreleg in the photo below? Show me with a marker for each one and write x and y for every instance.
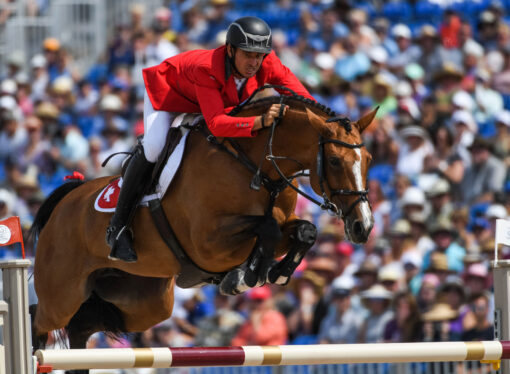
(298, 238)
(253, 272)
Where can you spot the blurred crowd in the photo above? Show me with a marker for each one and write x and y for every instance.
(440, 74)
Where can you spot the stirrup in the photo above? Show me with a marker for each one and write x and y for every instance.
(121, 247)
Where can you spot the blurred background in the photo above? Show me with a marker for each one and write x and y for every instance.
(71, 93)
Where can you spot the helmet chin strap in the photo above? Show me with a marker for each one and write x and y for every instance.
(231, 59)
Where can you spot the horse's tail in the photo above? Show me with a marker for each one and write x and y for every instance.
(44, 212)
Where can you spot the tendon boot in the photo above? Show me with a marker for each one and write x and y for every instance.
(134, 183)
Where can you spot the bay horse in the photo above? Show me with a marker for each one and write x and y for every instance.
(217, 218)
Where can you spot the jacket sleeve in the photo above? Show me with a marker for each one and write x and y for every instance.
(280, 74)
(213, 109)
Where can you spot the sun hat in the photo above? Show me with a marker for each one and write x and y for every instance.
(401, 227)
(389, 273)
(414, 131)
(465, 117)
(401, 31)
(496, 211)
(378, 54)
(367, 267)
(413, 196)
(463, 100)
(110, 102)
(376, 292)
(342, 286)
(438, 262)
(440, 312)
(503, 117)
(441, 187)
(477, 270)
(414, 71)
(412, 258)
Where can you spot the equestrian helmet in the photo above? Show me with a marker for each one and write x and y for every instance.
(251, 34)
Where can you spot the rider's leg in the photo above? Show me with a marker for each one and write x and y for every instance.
(135, 181)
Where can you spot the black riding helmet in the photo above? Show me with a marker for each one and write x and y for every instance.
(251, 34)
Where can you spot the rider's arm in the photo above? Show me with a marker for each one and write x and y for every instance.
(219, 123)
(281, 75)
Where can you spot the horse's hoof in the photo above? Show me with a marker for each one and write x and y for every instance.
(233, 283)
(307, 234)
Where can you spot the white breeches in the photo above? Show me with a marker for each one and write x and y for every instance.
(155, 124)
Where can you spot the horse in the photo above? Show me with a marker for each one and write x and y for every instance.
(218, 219)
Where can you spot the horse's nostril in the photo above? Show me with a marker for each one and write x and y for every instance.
(358, 228)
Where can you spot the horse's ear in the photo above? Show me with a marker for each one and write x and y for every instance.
(318, 124)
(366, 120)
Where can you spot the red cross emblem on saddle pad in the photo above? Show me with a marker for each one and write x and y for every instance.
(107, 199)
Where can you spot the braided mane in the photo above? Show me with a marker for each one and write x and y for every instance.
(292, 101)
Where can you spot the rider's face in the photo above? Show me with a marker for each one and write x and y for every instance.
(248, 63)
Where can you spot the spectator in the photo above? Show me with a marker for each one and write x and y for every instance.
(376, 300)
(486, 175)
(406, 326)
(442, 234)
(218, 329)
(265, 325)
(440, 201)
(308, 289)
(436, 326)
(342, 323)
(414, 150)
(483, 328)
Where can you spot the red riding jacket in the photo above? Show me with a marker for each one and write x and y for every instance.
(201, 81)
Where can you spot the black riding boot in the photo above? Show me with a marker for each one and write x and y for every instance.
(135, 181)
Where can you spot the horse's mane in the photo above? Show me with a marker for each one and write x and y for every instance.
(294, 101)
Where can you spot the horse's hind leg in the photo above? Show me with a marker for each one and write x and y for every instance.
(298, 238)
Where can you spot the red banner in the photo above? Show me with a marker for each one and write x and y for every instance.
(10, 232)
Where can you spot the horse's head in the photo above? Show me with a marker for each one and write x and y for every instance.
(341, 170)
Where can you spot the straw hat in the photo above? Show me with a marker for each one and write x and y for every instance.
(440, 312)
(448, 69)
(438, 262)
(367, 267)
(47, 110)
(376, 292)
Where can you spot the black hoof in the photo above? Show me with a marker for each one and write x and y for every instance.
(307, 234)
(231, 283)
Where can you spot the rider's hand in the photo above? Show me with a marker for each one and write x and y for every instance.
(266, 120)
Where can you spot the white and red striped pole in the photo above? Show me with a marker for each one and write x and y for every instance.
(124, 358)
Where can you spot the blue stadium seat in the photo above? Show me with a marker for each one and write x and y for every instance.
(383, 173)
(487, 129)
(369, 9)
(428, 11)
(397, 11)
(467, 8)
(506, 101)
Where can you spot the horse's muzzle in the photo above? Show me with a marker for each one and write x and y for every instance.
(358, 229)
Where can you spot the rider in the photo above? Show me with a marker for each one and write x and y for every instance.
(208, 81)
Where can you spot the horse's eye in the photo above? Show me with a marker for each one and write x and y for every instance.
(334, 161)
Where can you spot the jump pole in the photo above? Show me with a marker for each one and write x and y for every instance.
(124, 358)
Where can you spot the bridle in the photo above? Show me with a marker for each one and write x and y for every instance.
(326, 204)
